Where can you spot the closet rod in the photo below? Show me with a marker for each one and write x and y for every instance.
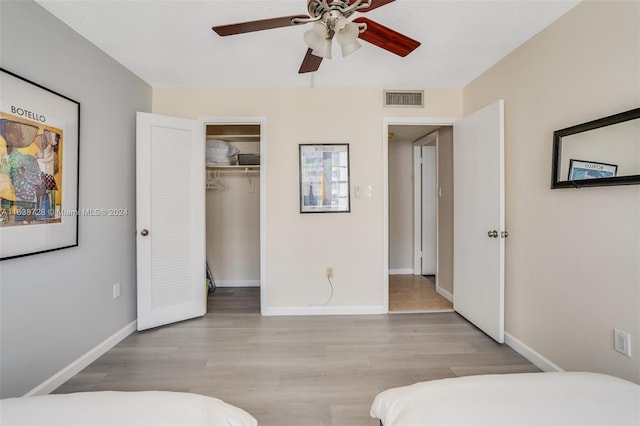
(243, 171)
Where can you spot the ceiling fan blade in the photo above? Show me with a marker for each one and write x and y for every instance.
(248, 27)
(374, 4)
(387, 38)
(310, 63)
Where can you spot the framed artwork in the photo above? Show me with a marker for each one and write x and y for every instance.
(39, 143)
(579, 170)
(324, 178)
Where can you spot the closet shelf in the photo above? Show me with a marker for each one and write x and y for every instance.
(235, 138)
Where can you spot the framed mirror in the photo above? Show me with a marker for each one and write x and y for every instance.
(602, 152)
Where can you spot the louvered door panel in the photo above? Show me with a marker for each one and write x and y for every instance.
(170, 208)
(172, 230)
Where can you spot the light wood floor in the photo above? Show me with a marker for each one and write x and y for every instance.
(316, 370)
(415, 293)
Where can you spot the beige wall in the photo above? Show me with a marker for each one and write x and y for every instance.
(572, 266)
(300, 246)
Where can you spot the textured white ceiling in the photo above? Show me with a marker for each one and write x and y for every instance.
(170, 43)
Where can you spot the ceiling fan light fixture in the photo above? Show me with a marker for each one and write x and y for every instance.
(350, 48)
(325, 49)
(348, 38)
(318, 41)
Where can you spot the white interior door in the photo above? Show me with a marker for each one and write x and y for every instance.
(170, 220)
(429, 205)
(479, 219)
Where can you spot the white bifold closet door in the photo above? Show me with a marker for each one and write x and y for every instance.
(170, 179)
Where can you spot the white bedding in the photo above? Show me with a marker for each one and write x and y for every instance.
(122, 408)
(512, 399)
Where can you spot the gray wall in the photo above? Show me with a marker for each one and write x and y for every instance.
(57, 306)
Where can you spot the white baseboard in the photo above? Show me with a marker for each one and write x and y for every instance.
(401, 271)
(76, 366)
(444, 293)
(325, 310)
(534, 357)
(237, 283)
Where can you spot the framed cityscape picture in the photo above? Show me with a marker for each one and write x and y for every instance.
(324, 178)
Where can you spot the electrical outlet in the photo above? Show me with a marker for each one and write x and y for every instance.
(622, 342)
(329, 272)
(116, 290)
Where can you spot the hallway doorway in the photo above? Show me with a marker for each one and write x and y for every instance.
(420, 217)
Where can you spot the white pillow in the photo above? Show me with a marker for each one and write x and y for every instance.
(512, 399)
(122, 408)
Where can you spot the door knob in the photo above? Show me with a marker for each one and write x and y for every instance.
(144, 232)
(493, 234)
(504, 234)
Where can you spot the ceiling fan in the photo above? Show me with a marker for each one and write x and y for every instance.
(329, 18)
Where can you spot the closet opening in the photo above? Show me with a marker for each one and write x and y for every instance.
(233, 216)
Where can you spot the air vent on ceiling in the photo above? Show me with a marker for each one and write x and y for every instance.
(404, 98)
